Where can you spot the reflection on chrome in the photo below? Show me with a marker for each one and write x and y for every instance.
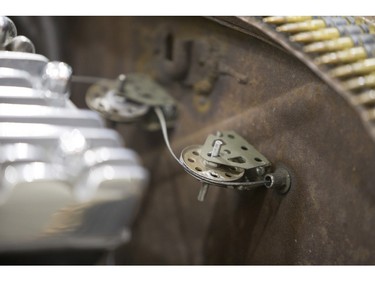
(62, 174)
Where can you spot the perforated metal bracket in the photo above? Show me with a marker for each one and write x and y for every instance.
(131, 98)
(234, 151)
(227, 160)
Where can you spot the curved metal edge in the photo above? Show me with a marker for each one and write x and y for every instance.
(264, 33)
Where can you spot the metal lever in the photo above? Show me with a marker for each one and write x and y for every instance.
(131, 98)
(227, 160)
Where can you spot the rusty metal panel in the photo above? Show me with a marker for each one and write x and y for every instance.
(276, 103)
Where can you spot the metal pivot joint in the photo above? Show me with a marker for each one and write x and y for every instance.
(131, 98)
(227, 160)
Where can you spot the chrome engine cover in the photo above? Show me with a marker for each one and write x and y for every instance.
(66, 181)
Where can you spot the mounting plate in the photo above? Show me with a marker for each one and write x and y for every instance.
(235, 151)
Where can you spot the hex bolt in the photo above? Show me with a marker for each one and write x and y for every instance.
(203, 192)
(216, 149)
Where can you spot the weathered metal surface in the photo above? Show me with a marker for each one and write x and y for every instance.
(285, 111)
(345, 88)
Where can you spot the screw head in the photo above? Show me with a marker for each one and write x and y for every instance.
(56, 78)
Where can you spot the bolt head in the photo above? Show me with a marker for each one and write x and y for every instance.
(7, 30)
(56, 78)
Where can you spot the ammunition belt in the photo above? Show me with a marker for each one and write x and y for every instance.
(343, 48)
(340, 50)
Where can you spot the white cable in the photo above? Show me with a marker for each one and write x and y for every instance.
(163, 125)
